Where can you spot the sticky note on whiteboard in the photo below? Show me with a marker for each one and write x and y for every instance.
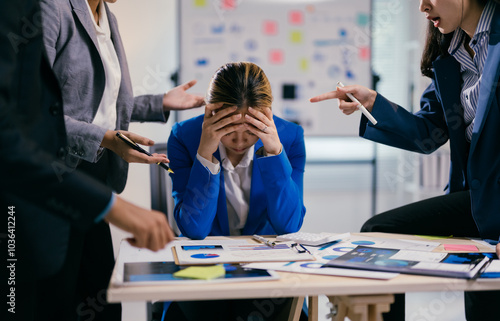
(270, 27)
(228, 4)
(276, 56)
(295, 36)
(304, 64)
(363, 19)
(289, 91)
(200, 3)
(295, 17)
(202, 62)
(364, 53)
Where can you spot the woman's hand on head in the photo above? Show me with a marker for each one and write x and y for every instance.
(130, 155)
(365, 96)
(262, 125)
(216, 124)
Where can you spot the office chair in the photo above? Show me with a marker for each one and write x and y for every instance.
(161, 189)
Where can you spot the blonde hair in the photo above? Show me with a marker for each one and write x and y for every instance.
(241, 84)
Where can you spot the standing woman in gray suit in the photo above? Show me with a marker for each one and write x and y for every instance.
(87, 55)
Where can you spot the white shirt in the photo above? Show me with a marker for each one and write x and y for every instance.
(237, 184)
(106, 112)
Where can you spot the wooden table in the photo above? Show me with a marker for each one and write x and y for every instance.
(360, 299)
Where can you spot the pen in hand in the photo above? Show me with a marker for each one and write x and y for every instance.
(138, 148)
(360, 106)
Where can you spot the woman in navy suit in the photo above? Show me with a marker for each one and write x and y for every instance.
(238, 171)
(462, 106)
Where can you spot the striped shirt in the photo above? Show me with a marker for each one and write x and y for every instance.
(471, 69)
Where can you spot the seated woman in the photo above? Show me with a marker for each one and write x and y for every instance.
(238, 171)
(259, 189)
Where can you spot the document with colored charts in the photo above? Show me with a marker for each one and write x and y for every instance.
(326, 252)
(213, 252)
(349, 243)
(323, 254)
(458, 265)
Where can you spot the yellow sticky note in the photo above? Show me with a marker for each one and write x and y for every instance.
(200, 3)
(432, 237)
(201, 272)
(304, 64)
(295, 36)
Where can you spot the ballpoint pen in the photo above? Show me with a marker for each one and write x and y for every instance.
(482, 269)
(297, 245)
(138, 148)
(264, 240)
(302, 246)
(360, 106)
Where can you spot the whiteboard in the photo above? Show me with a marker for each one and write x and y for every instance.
(303, 46)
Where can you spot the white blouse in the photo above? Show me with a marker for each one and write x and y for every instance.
(106, 112)
(237, 184)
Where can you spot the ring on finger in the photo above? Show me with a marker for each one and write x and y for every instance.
(264, 129)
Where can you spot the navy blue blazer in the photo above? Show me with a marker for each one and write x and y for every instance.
(47, 199)
(276, 196)
(474, 166)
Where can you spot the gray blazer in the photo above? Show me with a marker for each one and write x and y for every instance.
(71, 45)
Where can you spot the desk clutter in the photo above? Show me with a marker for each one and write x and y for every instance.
(237, 251)
(226, 259)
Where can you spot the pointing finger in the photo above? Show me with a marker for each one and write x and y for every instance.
(330, 95)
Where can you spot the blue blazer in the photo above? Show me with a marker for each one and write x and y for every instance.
(474, 166)
(276, 196)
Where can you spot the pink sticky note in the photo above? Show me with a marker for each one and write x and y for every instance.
(295, 17)
(228, 4)
(364, 53)
(270, 27)
(276, 56)
(460, 247)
